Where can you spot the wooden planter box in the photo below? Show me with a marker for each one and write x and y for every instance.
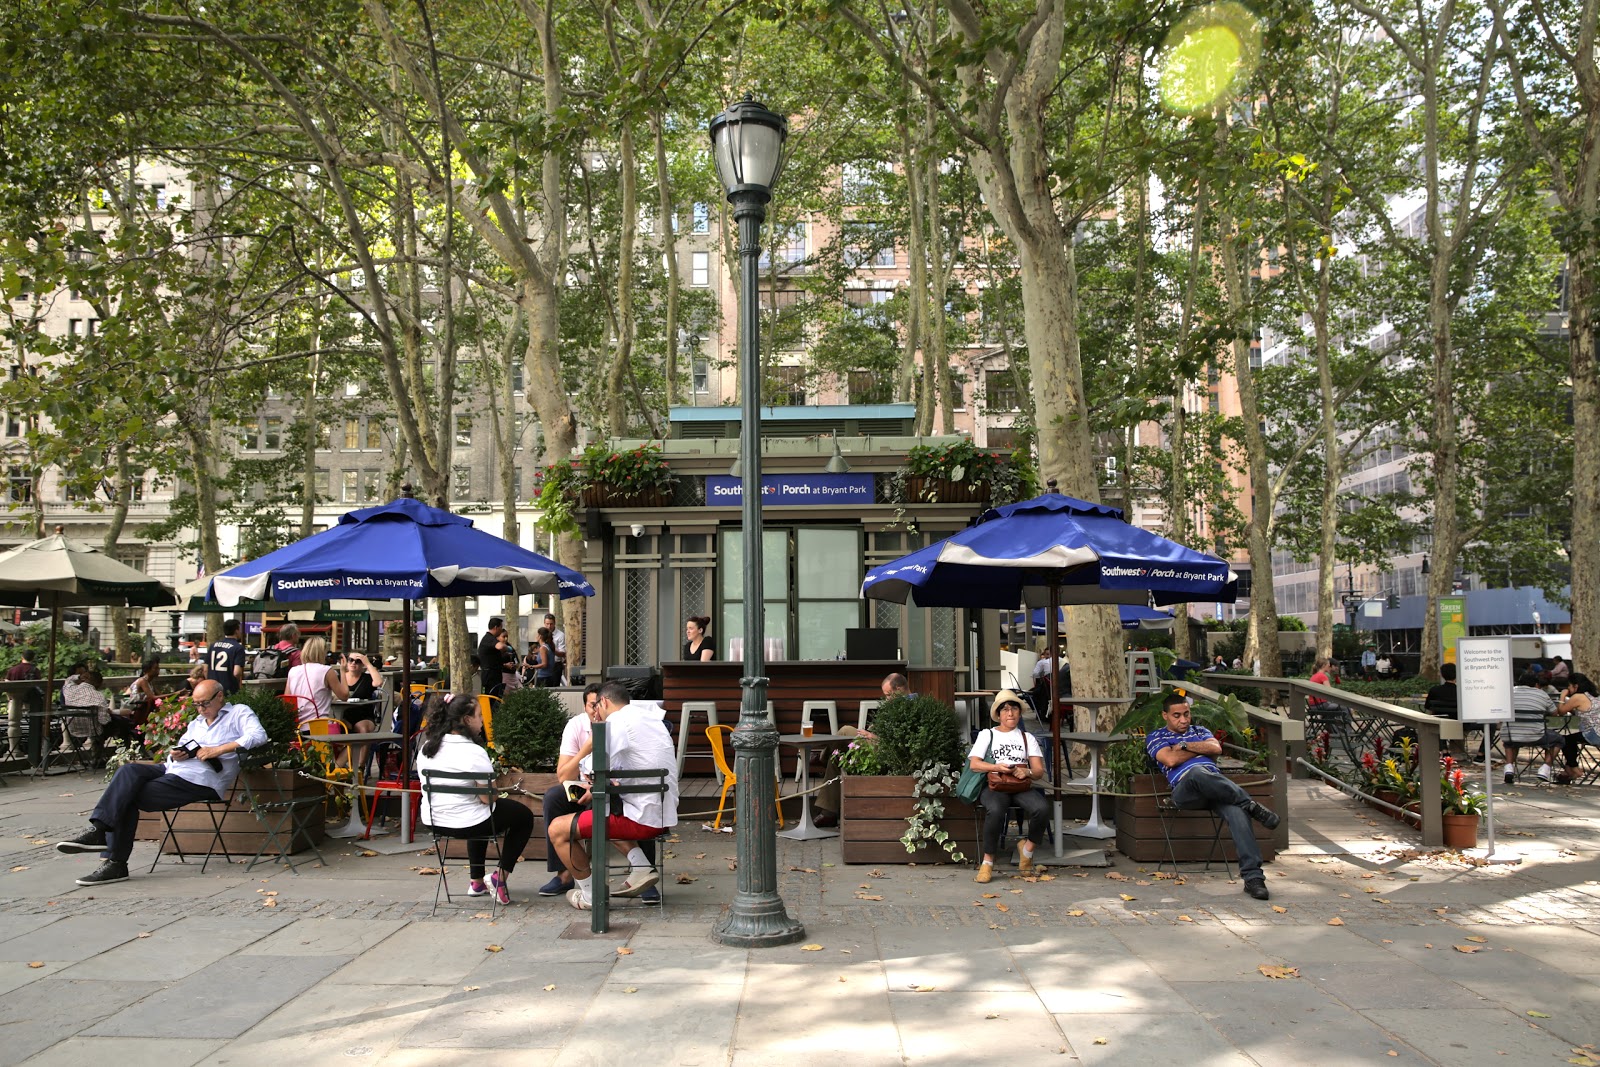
(876, 809)
(605, 496)
(538, 844)
(242, 832)
(944, 491)
(1139, 835)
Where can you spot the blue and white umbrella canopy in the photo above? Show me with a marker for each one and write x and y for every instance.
(400, 550)
(1131, 616)
(1012, 555)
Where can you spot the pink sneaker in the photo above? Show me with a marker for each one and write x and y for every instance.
(476, 888)
(497, 886)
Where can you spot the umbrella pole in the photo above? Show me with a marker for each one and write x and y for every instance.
(405, 727)
(49, 687)
(1055, 706)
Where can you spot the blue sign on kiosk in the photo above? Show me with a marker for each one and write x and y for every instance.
(789, 490)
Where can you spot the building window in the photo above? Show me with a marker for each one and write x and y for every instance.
(1000, 391)
(702, 376)
(374, 435)
(352, 435)
(700, 269)
(516, 483)
(271, 433)
(869, 387)
(516, 377)
(786, 386)
(322, 483)
(702, 218)
(463, 431)
(789, 248)
(461, 481)
(19, 485)
(13, 425)
(351, 487)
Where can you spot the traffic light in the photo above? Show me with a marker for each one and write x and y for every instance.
(1394, 600)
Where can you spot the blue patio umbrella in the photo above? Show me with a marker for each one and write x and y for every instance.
(1045, 552)
(1131, 615)
(401, 550)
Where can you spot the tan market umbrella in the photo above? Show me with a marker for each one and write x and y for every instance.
(57, 572)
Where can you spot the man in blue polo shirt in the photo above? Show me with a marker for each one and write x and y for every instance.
(1185, 753)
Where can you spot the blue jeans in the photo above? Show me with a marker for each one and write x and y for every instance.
(1203, 787)
(140, 787)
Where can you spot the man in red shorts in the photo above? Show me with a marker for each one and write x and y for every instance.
(636, 740)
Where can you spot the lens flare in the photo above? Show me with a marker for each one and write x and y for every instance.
(1207, 56)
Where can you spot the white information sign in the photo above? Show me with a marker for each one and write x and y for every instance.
(1483, 666)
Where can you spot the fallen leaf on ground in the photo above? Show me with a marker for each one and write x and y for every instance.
(1336, 921)
(1476, 938)
(699, 855)
(733, 866)
(992, 1015)
(1427, 944)
(1467, 948)
(41, 842)
(1274, 971)
(1075, 912)
(1387, 941)
(869, 896)
(1141, 882)
(624, 950)
(1013, 891)
(1391, 1052)
(364, 852)
(470, 988)
(923, 988)
(804, 870)
(482, 915)
(550, 988)
(685, 879)
(874, 873)
(493, 948)
(36, 964)
(14, 870)
(1279, 908)
(1369, 889)
(269, 903)
(1099, 1040)
(1116, 876)
(1125, 896)
(811, 948)
(145, 934)
(1001, 907)
(425, 871)
(631, 989)
(1185, 919)
(1537, 1015)
(990, 896)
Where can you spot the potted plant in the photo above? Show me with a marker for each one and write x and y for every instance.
(637, 476)
(896, 794)
(957, 472)
(1463, 807)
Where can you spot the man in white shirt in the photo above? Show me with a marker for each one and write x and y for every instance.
(201, 766)
(558, 641)
(636, 740)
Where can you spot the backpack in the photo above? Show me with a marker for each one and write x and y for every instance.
(272, 663)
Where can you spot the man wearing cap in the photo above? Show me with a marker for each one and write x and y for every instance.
(1010, 752)
(1185, 753)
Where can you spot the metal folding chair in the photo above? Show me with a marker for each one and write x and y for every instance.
(1167, 811)
(217, 810)
(459, 783)
(286, 818)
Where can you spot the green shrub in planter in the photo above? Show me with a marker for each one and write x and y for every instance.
(916, 730)
(527, 729)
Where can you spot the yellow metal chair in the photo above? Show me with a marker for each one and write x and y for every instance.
(486, 705)
(718, 735)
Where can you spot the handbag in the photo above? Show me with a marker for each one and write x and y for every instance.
(1009, 783)
(970, 786)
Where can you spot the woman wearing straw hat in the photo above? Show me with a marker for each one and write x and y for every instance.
(1010, 752)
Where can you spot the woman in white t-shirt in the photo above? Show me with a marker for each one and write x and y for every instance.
(315, 681)
(449, 743)
(1008, 750)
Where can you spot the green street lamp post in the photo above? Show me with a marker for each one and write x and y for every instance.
(747, 144)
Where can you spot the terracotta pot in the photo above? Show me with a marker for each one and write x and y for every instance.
(1388, 796)
(1460, 831)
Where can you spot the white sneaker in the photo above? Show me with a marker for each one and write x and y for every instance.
(578, 899)
(1543, 773)
(637, 882)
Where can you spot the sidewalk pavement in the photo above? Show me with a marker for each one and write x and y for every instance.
(1397, 956)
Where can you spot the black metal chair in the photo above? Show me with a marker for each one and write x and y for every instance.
(655, 781)
(217, 810)
(475, 784)
(1167, 811)
(285, 817)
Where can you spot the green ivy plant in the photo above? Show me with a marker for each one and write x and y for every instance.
(931, 783)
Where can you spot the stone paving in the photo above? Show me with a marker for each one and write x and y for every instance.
(901, 964)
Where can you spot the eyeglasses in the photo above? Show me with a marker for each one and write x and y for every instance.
(1011, 705)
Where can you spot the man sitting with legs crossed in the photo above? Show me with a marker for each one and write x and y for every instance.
(1185, 753)
(636, 740)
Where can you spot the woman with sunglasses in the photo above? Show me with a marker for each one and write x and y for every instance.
(1010, 752)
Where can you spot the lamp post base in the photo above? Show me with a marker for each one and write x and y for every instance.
(758, 924)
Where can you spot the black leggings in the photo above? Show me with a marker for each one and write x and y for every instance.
(506, 817)
(997, 807)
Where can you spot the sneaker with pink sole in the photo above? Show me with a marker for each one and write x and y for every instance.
(497, 886)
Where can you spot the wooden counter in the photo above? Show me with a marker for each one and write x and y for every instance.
(791, 682)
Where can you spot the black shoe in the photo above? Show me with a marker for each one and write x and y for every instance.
(825, 818)
(1265, 816)
(1257, 887)
(108, 872)
(92, 840)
